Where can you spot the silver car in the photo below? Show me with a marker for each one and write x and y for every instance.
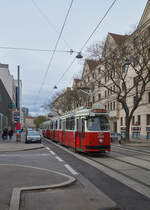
(33, 137)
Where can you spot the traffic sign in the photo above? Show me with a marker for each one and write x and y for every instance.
(16, 116)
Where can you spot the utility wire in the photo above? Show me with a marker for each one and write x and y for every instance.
(36, 49)
(48, 21)
(50, 61)
(106, 13)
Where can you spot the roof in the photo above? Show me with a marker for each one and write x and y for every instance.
(92, 63)
(118, 38)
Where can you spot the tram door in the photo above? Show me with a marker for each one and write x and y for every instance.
(80, 133)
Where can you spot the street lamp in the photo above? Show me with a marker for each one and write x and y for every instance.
(79, 56)
(127, 62)
(125, 66)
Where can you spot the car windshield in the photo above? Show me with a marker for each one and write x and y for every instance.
(98, 123)
(33, 133)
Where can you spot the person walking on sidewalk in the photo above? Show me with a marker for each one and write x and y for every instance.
(119, 138)
(5, 134)
(10, 133)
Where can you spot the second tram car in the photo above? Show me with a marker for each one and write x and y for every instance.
(84, 129)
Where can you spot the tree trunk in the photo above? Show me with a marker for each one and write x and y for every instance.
(128, 120)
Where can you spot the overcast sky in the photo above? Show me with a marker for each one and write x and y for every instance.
(37, 24)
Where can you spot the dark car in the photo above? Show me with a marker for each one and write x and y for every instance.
(33, 137)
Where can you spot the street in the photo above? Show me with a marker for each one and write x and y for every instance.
(123, 174)
(41, 173)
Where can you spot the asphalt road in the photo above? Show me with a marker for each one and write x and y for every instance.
(126, 195)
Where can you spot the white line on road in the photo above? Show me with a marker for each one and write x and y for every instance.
(70, 169)
(59, 159)
(53, 153)
(48, 148)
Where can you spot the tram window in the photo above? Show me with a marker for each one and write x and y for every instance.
(59, 124)
(77, 122)
(56, 123)
(83, 127)
(98, 123)
(64, 125)
(70, 123)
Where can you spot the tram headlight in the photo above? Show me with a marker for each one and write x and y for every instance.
(100, 141)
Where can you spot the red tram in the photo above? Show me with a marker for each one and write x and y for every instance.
(84, 129)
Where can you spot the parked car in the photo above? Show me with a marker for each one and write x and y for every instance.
(113, 137)
(33, 137)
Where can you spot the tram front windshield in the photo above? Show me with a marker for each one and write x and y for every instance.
(98, 123)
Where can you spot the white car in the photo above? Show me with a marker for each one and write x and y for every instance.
(33, 137)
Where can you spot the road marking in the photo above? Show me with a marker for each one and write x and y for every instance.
(71, 169)
(53, 153)
(59, 159)
(48, 148)
(142, 189)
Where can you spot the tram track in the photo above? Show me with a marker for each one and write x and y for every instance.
(121, 174)
(128, 148)
(101, 162)
(135, 155)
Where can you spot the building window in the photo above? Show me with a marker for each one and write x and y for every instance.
(93, 99)
(135, 135)
(99, 96)
(121, 121)
(148, 119)
(148, 97)
(133, 120)
(105, 93)
(148, 135)
(114, 88)
(105, 107)
(93, 75)
(88, 78)
(111, 106)
(114, 105)
(108, 106)
(139, 120)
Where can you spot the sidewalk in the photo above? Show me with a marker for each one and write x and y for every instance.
(12, 145)
(28, 183)
(135, 142)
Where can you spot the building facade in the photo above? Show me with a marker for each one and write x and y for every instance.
(106, 94)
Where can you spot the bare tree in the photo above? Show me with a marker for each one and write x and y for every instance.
(67, 101)
(95, 50)
(127, 68)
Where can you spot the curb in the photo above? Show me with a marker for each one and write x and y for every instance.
(22, 149)
(15, 198)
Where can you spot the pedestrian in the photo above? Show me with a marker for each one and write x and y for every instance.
(5, 134)
(119, 138)
(10, 133)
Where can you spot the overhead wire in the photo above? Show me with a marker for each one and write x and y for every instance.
(52, 56)
(85, 43)
(48, 21)
(36, 49)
